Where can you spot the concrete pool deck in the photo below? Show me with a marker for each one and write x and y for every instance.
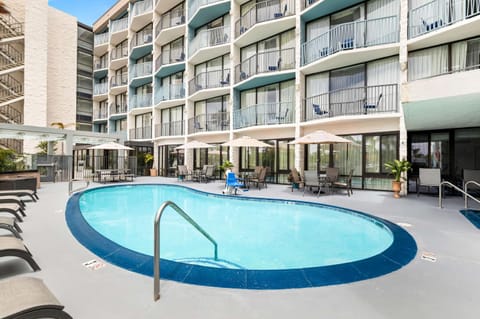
(446, 288)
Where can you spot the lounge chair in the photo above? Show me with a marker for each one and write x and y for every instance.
(12, 199)
(347, 184)
(27, 297)
(295, 179)
(310, 181)
(232, 184)
(20, 193)
(10, 246)
(429, 177)
(14, 209)
(207, 173)
(10, 223)
(260, 179)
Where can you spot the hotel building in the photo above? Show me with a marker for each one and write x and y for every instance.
(400, 78)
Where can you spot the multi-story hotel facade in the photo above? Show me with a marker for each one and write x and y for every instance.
(399, 78)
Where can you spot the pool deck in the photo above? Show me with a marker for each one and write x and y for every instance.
(448, 287)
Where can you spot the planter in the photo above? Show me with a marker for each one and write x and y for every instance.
(153, 172)
(396, 187)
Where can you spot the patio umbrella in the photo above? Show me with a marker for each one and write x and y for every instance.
(194, 144)
(246, 141)
(320, 137)
(110, 146)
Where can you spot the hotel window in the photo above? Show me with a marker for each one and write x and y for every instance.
(120, 51)
(172, 121)
(173, 51)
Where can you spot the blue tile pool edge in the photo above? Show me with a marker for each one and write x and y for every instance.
(398, 254)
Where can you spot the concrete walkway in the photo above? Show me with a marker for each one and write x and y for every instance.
(447, 288)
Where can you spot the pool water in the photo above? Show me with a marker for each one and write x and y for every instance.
(251, 234)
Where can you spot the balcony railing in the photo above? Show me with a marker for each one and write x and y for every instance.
(118, 109)
(264, 11)
(141, 133)
(101, 38)
(10, 57)
(119, 53)
(119, 25)
(352, 35)
(141, 38)
(100, 64)
(209, 80)
(211, 122)
(438, 14)
(308, 3)
(10, 27)
(140, 100)
(100, 88)
(271, 61)
(119, 80)
(171, 19)
(142, 7)
(100, 114)
(209, 38)
(169, 92)
(141, 69)
(175, 55)
(194, 5)
(169, 129)
(353, 101)
(264, 114)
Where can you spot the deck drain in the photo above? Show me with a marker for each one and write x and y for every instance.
(94, 264)
(429, 257)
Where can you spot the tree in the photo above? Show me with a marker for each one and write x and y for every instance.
(7, 160)
(43, 147)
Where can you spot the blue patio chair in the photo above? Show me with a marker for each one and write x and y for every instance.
(317, 110)
(232, 184)
(367, 106)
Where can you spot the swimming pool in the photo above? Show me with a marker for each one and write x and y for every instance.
(262, 243)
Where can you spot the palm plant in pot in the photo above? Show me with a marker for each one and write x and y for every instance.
(397, 168)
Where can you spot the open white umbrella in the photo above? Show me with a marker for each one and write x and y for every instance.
(110, 146)
(246, 141)
(320, 137)
(194, 144)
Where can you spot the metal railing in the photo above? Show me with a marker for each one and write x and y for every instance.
(308, 3)
(118, 108)
(141, 38)
(141, 69)
(209, 38)
(458, 189)
(141, 133)
(210, 122)
(12, 88)
(10, 57)
(264, 62)
(140, 100)
(169, 92)
(174, 128)
(119, 80)
(141, 7)
(11, 114)
(465, 189)
(156, 244)
(438, 14)
(13, 144)
(359, 34)
(352, 101)
(10, 27)
(194, 5)
(264, 114)
(100, 64)
(209, 80)
(119, 25)
(101, 38)
(70, 186)
(174, 55)
(100, 88)
(119, 52)
(171, 19)
(264, 11)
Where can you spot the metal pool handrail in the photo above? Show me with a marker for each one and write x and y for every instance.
(70, 186)
(464, 192)
(465, 188)
(156, 253)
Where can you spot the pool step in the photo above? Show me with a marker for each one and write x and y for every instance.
(210, 262)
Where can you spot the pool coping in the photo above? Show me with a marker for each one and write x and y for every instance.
(398, 254)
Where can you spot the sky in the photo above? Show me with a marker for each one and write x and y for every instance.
(87, 11)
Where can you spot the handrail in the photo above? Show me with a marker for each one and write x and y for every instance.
(70, 186)
(156, 253)
(465, 188)
(457, 189)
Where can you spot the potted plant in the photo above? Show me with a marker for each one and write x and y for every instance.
(148, 159)
(397, 167)
(226, 166)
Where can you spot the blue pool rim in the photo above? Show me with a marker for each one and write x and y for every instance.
(400, 253)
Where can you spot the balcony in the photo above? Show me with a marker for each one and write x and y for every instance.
(352, 35)
(100, 68)
(141, 44)
(264, 114)
(118, 30)
(437, 14)
(209, 80)
(141, 133)
(171, 26)
(249, 28)
(169, 129)
(141, 73)
(118, 110)
(100, 114)
(206, 39)
(10, 28)
(265, 62)
(142, 14)
(100, 88)
(170, 61)
(118, 57)
(212, 122)
(201, 12)
(118, 83)
(12, 90)
(353, 101)
(140, 100)
(10, 57)
(169, 92)
(100, 41)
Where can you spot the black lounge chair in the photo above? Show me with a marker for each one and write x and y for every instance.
(27, 297)
(14, 209)
(4, 199)
(10, 223)
(10, 246)
(20, 193)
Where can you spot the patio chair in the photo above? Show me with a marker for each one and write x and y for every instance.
(311, 181)
(226, 81)
(347, 184)
(10, 223)
(260, 179)
(12, 199)
(14, 209)
(331, 176)
(281, 14)
(20, 193)
(207, 173)
(317, 110)
(429, 177)
(182, 173)
(232, 184)
(295, 179)
(11, 246)
(27, 297)
(367, 106)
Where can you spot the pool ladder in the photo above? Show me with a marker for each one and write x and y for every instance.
(156, 244)
(464, 191)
